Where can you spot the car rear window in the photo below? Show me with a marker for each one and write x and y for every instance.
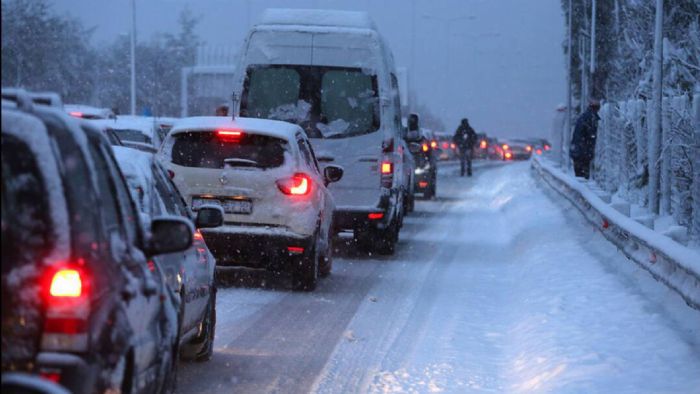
(211, 150)
(132, 135)
(26, 225)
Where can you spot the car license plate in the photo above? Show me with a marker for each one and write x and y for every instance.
(229, 205)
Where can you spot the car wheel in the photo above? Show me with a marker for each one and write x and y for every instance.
(305, 274)
(412, 203)
(201, 348)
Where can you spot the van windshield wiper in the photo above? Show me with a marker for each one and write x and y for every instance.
(234, 162)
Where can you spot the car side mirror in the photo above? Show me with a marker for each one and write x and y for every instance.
(332, 174)
(209, 216)
(169, 234)
(414, 147)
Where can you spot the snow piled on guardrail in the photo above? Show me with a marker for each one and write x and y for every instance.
(669, 262)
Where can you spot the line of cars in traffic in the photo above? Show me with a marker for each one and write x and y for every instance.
(113, 226)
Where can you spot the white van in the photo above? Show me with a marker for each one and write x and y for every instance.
(332, 73)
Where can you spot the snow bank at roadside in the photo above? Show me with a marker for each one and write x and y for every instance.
(669, 262)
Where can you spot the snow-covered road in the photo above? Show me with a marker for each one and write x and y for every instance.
(496, 286)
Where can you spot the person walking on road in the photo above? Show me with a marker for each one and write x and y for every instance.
(583, 141)
(465, 138)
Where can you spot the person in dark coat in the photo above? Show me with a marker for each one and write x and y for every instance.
(583, 141)
(465, 138)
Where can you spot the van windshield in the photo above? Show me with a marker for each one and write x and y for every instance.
(327, 102)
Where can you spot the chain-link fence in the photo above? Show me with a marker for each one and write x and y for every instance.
(622, 157)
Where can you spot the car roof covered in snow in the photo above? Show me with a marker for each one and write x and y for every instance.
(273, 128)
(311, 17)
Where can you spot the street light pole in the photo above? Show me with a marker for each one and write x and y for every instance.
(567, 130)
(133, 57)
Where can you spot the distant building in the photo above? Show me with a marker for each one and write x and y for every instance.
(209, 83)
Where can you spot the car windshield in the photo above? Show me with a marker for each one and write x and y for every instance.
(328, 102)
(209, 150)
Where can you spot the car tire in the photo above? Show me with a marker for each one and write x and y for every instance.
(201, 347)
(305, 274)
(412, 202)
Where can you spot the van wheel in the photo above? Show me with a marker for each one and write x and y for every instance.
(379, 241)
(305, 274)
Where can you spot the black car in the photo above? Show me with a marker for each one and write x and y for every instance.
(81, 306)
(426, 159)
(190, 274)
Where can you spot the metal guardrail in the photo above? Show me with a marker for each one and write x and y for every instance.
(674, 265)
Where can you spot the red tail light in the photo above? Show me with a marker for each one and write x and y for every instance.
(425, 147)
(453, 146)
(528, 148)
(76, 114)
(387, 171)
(483, 144)
(229, 135)
(298, 185)
(375, 215)
(387, 167)
(67, 310)
(66, 283)
(433, 144)
(539, 151)
(422, 184)
(547, 147)
(506, 147)
(509, 155)
(445, 145)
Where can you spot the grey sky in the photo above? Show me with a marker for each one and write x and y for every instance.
(506, 70)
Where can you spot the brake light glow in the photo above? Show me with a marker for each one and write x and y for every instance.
(297, 185)
(66, 283)
(453, 146)
(528, 148)
(509, 155)
(433, 144)
(375, 215)
(483, 144)
(295, 249)
(52, 376)
(539, 151)
(229, 135)
(76, 114)
(387, 167)
(506, 147)
(445, 145)
(425, 147)
(547, 147)
(422, 184)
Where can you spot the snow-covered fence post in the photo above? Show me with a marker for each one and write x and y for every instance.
(667, 136)
(626, 139)
(695, 156)
(600, 159)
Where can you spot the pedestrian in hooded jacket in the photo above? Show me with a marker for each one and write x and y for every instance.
(583, 141)
(465, 138)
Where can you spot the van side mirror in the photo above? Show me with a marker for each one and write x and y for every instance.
(169, 234)
(332, 174)
(209, 216)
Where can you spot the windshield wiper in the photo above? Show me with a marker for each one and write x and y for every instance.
(234, 162)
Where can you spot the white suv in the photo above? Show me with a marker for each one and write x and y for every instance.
(278, 211)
